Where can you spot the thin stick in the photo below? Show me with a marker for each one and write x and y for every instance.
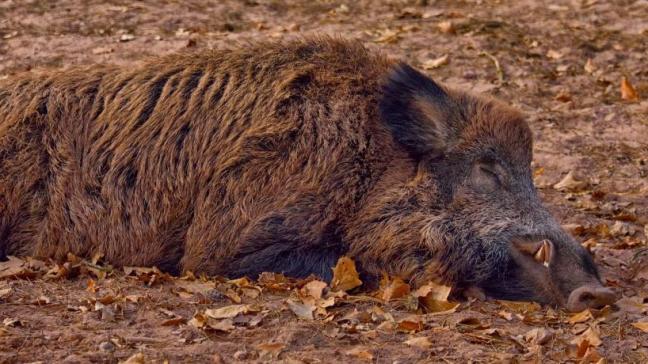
(498, 68)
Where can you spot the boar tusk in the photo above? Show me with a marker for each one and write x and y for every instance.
(543, 254)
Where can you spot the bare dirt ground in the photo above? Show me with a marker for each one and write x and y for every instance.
(561, 62)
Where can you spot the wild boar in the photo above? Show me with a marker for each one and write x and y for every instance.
(282, 157)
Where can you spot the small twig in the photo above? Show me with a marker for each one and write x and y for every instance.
(364, 299)
(498, 68)
(142, 339)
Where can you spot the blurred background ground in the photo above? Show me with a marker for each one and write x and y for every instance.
(561, 62)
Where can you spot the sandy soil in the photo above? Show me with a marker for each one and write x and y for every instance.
(561, 63)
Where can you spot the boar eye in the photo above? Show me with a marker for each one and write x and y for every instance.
(487, 176)
(490, 171)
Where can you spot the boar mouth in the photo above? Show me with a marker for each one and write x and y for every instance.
(542, 271)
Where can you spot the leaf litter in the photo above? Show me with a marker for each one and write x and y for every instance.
(595, 133)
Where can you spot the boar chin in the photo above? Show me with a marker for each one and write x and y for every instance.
(536, 272)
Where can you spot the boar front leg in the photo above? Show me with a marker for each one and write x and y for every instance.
(396, 236)
(296, 240)
(291, 242)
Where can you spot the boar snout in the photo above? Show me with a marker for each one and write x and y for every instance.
(554, 269)
(590, 296)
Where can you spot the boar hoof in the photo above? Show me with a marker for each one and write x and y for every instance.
(471, 293)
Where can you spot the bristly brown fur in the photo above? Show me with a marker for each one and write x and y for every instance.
(279, 157)
(183, 157)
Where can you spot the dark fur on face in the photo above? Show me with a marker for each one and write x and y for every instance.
(277, 157)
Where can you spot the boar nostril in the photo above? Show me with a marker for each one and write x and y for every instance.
(590, 296)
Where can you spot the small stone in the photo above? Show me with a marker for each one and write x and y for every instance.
(215, 295)
(106, 346)
(342, 9)
(126, 37)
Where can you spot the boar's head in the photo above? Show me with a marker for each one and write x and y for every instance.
(484, 224)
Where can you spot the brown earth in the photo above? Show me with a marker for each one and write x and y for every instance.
(561, 63)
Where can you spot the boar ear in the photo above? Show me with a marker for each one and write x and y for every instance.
(417, 111)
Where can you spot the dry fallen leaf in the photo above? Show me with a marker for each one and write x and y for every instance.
(244, 281)
(643, 326)
(570, 183)
(563, 96)
(589, 67)
(302, 310)
(628, 92)
(633, 305)
(505, 315)
(148, 275)
(92, 287)
(15, 268)
(314, 289)
(198, 321)
(592, 356)
(620, 228)
(538, 336)
(222, 325)
(201, 321)
(554, 54)
(4, 292)
(446, 27)
(434, 298)
(230, 311)
(345, 275)
(194, 286)
(419, 342)
(250, 292)
(360, 353)
(395, 289)
(591, 336)
(387, 36)
(433, 290)
(271, 350)
(581, 317)
(410, 324)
